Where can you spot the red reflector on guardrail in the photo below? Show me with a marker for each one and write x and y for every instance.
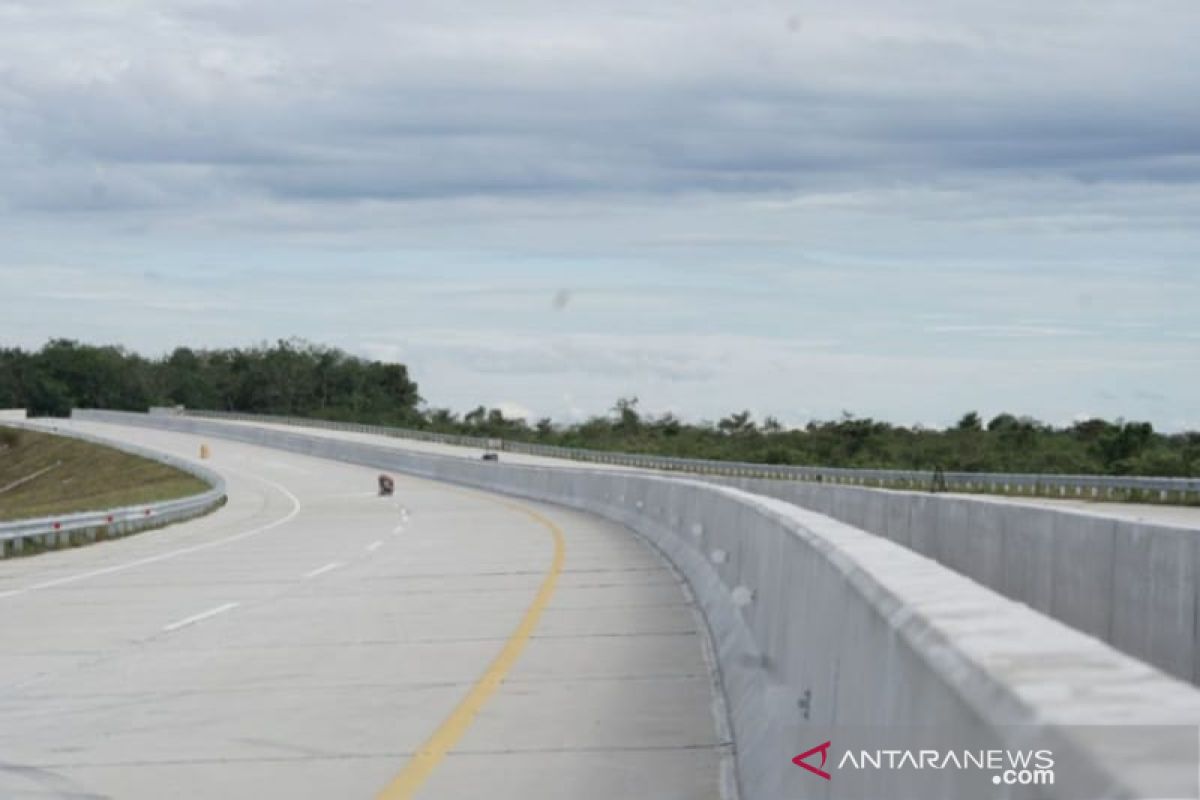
(57, 525)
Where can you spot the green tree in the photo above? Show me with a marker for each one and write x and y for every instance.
(970, 422)
(628, 419)
(738, 423)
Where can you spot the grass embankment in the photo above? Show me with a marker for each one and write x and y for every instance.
(42, 474)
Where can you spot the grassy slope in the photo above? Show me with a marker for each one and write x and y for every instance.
(87, 477)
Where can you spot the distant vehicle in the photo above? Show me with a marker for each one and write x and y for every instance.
(386, 486)
(491, 457)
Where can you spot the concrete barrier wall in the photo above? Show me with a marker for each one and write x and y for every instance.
(1134, 585)
(820, 626)
(12, 414)
(1111, 487)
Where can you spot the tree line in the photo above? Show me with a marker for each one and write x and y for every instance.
(1005, 443)
(289, 377)
(293, 377)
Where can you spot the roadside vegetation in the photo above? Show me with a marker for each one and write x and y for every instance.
(298, 378)
(42, 475)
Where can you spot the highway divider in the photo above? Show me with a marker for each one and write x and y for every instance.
(1134, 585)
(821, 629)
(1123, 488)
(64, 530)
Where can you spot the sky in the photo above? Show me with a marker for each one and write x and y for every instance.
(898, 210)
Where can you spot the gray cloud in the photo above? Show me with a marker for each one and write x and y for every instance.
(932, 185)
(187, 103)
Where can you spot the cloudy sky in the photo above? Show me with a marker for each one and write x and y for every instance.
(904, 210)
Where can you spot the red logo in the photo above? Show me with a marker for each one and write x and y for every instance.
(823, 749)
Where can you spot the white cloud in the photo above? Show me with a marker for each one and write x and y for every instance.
(902, 209)
(513, 410)
(1009, 331)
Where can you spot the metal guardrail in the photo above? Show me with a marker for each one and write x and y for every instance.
(110, 523)
(1101, 487)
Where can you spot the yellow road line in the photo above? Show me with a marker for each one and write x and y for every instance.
(431, 753)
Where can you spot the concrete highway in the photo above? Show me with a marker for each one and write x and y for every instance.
(1181, 516)
(434, 448)
(313, 640)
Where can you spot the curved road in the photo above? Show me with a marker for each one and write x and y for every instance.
(1156, 514)
(312, 640)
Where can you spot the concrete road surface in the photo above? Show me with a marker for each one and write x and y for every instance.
(1181, 516)
(310, 639)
